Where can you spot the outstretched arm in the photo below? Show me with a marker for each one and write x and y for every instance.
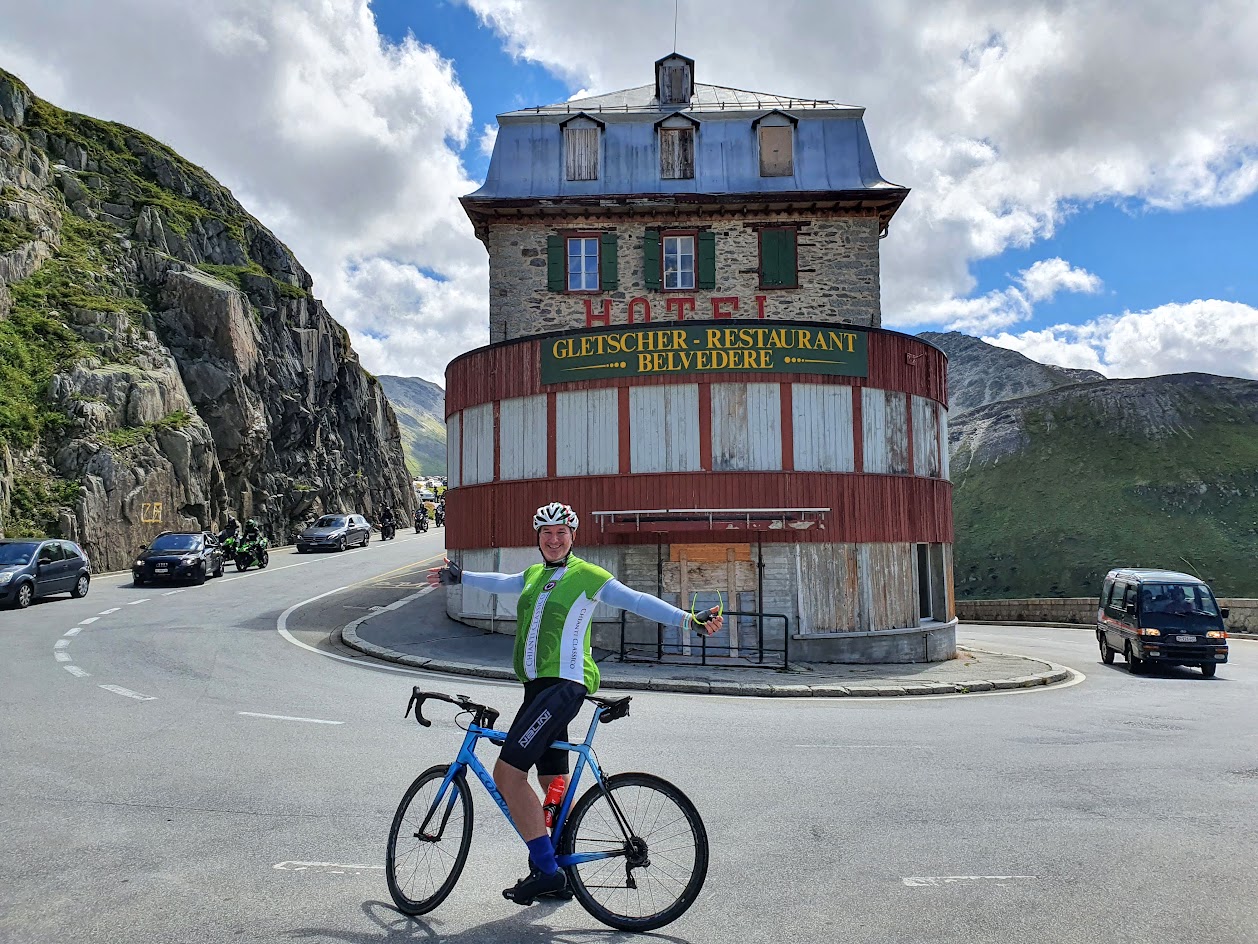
(614, 593)
(489, 582)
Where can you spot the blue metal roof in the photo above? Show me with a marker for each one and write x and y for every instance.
(831, 148)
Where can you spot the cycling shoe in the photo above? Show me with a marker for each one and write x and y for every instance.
(538, 885)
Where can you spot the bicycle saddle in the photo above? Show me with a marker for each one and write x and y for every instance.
(611, 708)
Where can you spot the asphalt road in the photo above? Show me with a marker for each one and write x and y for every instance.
(178, 769)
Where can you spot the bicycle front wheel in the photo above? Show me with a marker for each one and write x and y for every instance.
(655, 871)
(426, 859)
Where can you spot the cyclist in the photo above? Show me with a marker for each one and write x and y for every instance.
(554, 661)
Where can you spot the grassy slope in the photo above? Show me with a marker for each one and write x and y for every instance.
(1052, 520)
(420, 417)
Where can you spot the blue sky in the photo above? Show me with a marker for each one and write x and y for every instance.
(1083, 176)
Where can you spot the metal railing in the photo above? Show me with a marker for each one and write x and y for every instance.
(629, 651)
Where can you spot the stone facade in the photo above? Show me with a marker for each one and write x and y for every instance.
(837, 260)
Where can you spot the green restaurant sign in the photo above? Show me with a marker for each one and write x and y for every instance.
(703, 349)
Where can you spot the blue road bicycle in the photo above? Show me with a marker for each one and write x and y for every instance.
(633, 846)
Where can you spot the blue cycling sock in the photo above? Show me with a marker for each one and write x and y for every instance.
(542, 854)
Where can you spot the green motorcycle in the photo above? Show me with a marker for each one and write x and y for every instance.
(251, 551)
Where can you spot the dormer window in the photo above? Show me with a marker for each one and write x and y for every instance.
(674, 80)
(581, 146)
(677, 147)
(776, 134)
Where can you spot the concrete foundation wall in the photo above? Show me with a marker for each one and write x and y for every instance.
(788, 590)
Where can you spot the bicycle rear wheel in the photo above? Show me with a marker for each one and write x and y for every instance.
(422, 868)
(656, 872)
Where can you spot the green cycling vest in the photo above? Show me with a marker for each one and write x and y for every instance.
(553, 617)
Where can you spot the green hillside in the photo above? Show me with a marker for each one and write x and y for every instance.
(1160, 472)
(420, 409)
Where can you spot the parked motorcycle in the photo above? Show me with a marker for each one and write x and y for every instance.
(251, 551)
(421, 519)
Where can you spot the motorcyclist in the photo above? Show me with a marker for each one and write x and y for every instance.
(439, 513)
(421, 518)
(231, 529)
(388, 523)
(253, 529)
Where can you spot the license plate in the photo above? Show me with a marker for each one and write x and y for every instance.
(161, 569)
(1185, 638)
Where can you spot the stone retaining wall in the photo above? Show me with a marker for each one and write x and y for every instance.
(1242, 618)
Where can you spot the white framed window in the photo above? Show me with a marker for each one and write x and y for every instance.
(583, 263)
(679, 262)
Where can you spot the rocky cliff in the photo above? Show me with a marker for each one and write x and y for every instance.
(162, 361)
(980, 373)
(421, 416)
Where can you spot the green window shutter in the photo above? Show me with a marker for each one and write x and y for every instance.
(555, 263)
(651, 259)
(777, 258)
(608, 262)
(706, 263)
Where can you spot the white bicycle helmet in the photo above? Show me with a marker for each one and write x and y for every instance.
(555, 513)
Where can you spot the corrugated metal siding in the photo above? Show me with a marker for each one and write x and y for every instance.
(888, 586)
(586, 432)
(925, 437)
(884, 417)
(943, 439)
(454, 449)
(864, 508)
(512, 369)
(830, 574)
(522, 438)
(822, 424)
(746, 427)
(478, 444)
(664, 428)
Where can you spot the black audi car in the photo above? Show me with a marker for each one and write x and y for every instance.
(334, 532)
(179, 555)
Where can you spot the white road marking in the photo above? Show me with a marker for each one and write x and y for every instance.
(173, 592)
(119, 690)
(88, 621)
(114, 609)
(134, 602)
(73, 632)
(255, 714)
(61, 644)
(75, 671)
(282, 628)
(61, 656)
(335, 868)
(939, 881)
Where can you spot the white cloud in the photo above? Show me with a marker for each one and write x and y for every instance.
(1003, 117)
(1047, 277)
(488, 135)
(1003, 308)
(1206, 335)
(344, 145)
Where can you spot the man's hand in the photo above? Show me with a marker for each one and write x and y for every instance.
(707, 622)
(446, 574)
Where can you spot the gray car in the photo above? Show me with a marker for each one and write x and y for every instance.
(38, 567)
(334, 532)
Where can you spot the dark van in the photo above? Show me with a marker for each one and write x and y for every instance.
(1161, 617)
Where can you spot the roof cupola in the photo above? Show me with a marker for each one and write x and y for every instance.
(674, 79)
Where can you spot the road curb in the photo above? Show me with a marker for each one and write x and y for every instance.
(349, 636)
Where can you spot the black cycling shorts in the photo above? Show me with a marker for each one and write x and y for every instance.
(549, 704)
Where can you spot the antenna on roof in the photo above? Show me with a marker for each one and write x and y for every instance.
(676, 6)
